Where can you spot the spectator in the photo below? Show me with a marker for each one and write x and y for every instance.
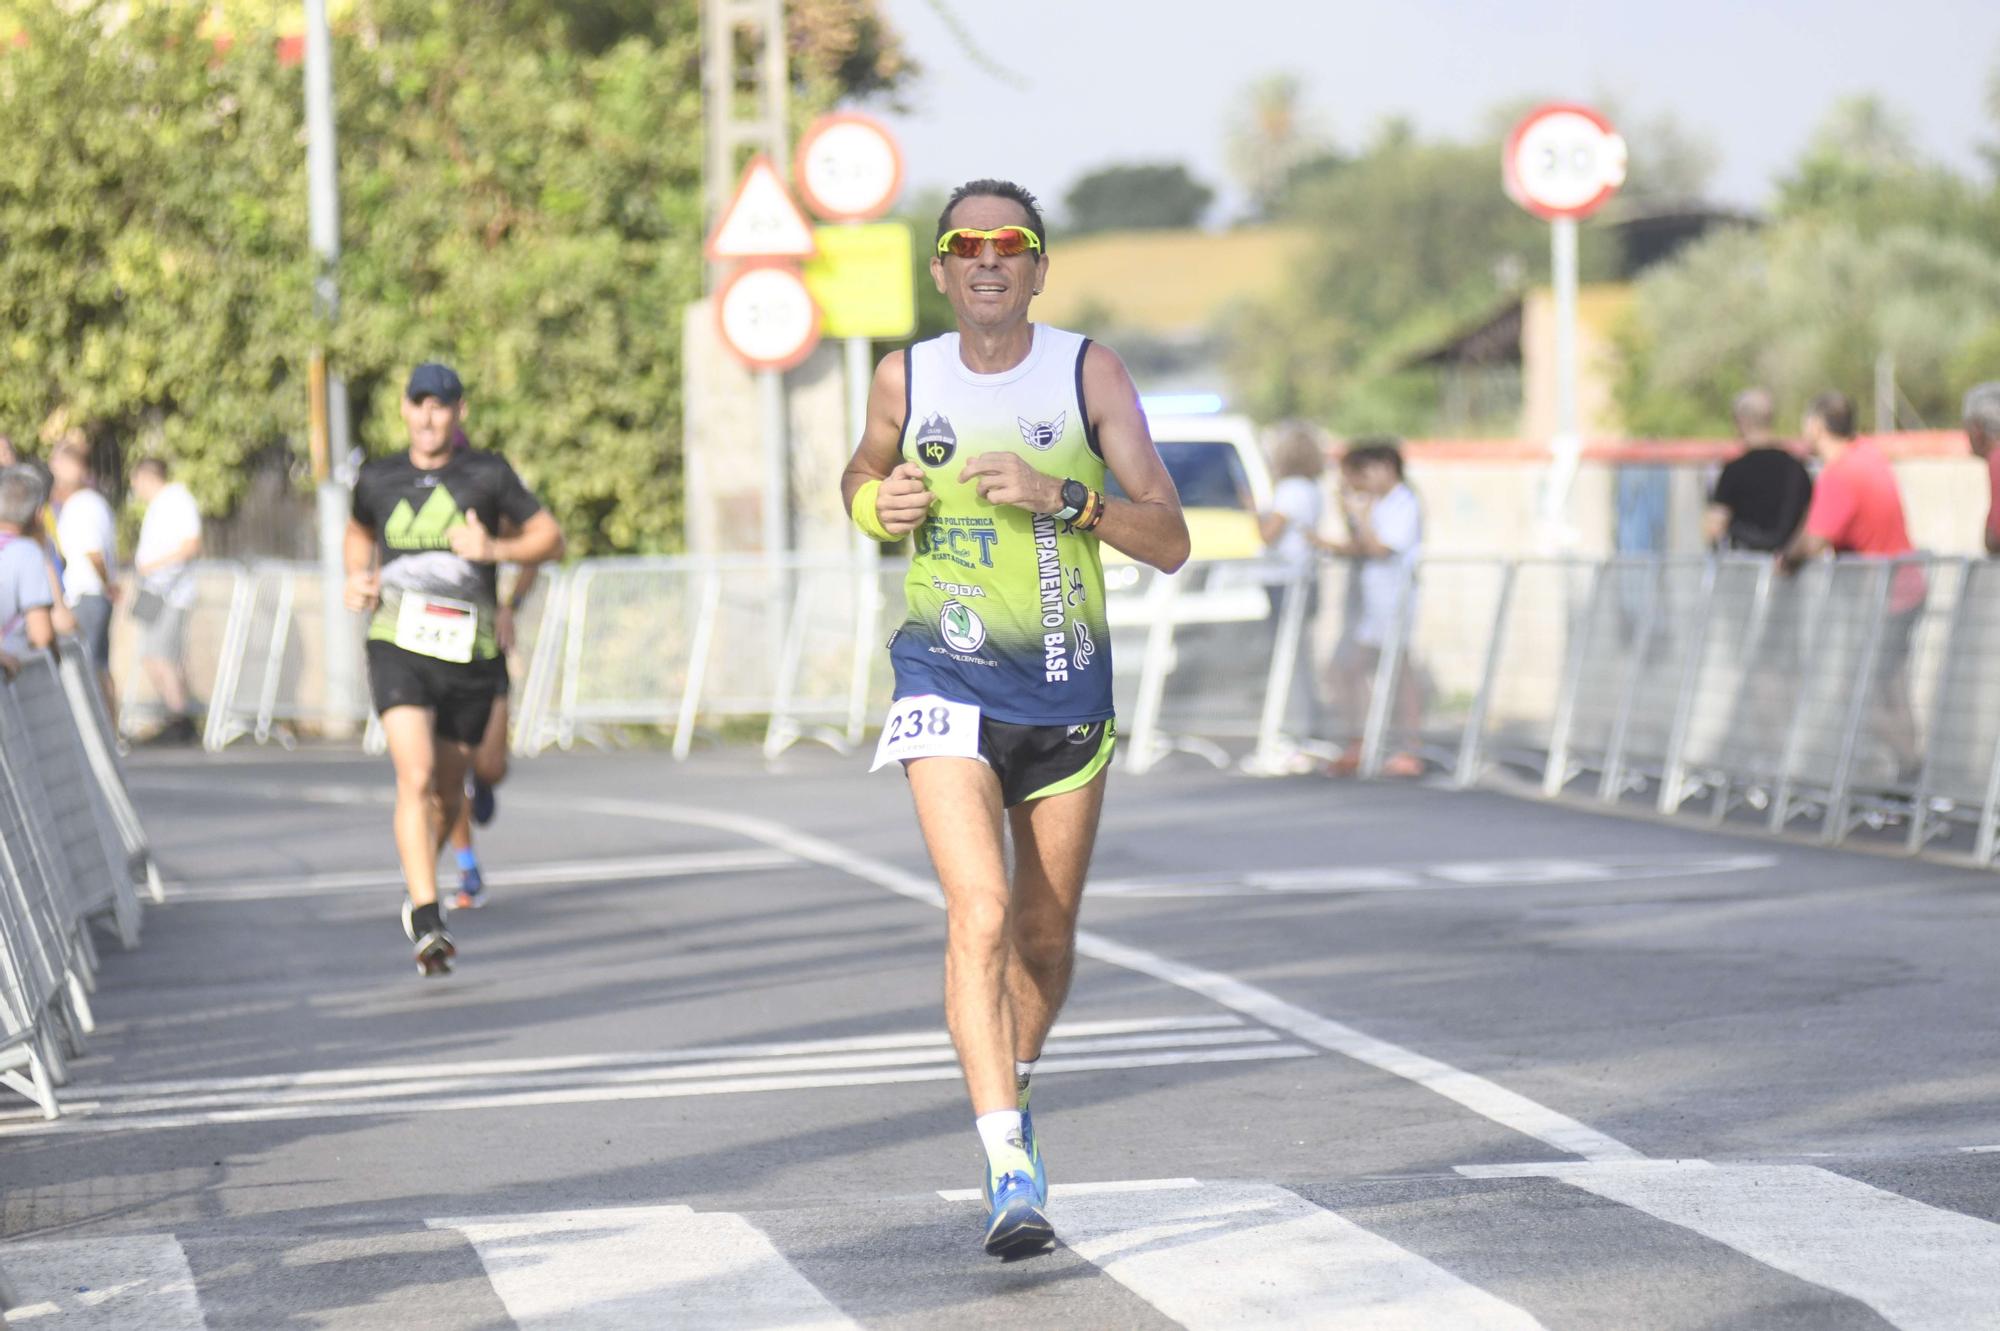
(1761, 497)
(1982, 431)
(25, 594)
(1385, 526)
(1291, 551)
(86, 534)
(1858, 510)
(169, 541)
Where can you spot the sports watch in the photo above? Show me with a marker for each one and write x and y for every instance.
(1075, 498)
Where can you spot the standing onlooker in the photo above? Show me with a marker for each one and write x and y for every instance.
(25, 593)
(1857, 509)
(169, 541)
(86, 533)
(1291, 554)
(1982, 431)
(1385, 527)
(1761, 497)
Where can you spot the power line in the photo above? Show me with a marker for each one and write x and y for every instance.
(963, 36)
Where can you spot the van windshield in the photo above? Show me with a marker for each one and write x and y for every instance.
(1208, 474)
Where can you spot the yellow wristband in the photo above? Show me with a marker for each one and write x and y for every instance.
(864, 515)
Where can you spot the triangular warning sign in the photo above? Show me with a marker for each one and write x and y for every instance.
(762, 222)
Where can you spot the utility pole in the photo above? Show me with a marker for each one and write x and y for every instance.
(745, 79)
(328, 432)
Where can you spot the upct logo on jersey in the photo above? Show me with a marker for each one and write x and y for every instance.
(1042, 435)
(428, 528)
(936, 441)
(961, 627)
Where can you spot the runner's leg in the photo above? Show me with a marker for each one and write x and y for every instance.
(1053, 840)
(489, 760)
(449, 762)
(958, 807)
(419, 820)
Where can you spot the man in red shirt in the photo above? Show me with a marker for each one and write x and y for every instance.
(1858, 510)
(1982, 431)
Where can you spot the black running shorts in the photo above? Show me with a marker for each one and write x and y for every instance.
(1034, 762)
(460, 697)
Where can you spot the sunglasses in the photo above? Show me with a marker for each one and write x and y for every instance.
(966, 242)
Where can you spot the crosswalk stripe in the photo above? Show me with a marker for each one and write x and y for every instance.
(87, 1116)
(1253, 1254)
(111, 1283)
(1922, 1268)
(642, 1268)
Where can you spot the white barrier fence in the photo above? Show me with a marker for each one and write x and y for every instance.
(1844, 698)
(73, 857)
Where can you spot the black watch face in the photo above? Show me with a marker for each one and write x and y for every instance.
(1075, 495)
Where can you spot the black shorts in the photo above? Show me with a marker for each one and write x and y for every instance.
(1034, 762)
(460, 697)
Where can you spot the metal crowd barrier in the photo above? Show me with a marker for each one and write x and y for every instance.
(72, 857)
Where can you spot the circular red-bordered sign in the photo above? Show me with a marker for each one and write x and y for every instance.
(766, 315)
(1563, 160)
(848, 168)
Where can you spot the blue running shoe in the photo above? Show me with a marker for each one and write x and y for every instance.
(1034, 1150)
(471, 889)
(482, 802)
(1017, 1226)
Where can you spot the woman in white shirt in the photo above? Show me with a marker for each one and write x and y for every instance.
(1292, 551)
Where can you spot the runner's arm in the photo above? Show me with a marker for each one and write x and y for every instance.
(905, 497)
(540, 540)
(1149, 526)
(357, 554)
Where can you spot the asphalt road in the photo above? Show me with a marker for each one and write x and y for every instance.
(1338, 1055)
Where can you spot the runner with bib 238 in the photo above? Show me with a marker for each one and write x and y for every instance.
(989, 446)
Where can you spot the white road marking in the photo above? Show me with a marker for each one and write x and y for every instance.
(1536, 872)
(1256, 1255)
(90, 1116)
(1476, 1093)
(101, 1285)
(526, 875)
(1082, 1189)
(1920, 1267)
(517, 1067)
(642, 1268)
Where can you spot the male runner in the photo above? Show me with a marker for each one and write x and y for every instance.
(421, 556)
(991, 445)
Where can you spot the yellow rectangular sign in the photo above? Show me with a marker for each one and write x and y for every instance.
(863, 280)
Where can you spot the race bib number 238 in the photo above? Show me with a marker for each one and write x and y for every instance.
(927, 726)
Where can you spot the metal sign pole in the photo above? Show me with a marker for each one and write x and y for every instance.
(1566, 446)
(329, 406)
(777, 454)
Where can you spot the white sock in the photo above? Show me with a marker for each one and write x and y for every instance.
(1022, 1073)
(999, 1131)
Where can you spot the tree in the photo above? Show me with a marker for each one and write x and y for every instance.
(520, 184)
(1270, 136)
(1136, 197)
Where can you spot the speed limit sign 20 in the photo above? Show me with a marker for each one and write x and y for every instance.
(1563, 160)
(767, 316)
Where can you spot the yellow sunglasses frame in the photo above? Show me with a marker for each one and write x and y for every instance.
(944, 241)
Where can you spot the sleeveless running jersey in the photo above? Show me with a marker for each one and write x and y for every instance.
(1006, 607)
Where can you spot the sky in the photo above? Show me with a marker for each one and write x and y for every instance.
(1107, 81)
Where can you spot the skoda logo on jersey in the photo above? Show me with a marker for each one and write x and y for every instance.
(936, 441)
(1042, 435)
(961, 627)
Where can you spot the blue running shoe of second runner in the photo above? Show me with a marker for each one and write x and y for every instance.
(482, 802)
(1016, 1225)
(471, 888)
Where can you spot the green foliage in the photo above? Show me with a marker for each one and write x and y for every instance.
(1802, 307)
(520, 190)
(1410, 239)
(1143, 196)
(151, 280)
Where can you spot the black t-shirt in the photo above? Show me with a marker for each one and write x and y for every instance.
(412, 511)
(1767, 492)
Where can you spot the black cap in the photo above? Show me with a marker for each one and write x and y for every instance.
(434, 380)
